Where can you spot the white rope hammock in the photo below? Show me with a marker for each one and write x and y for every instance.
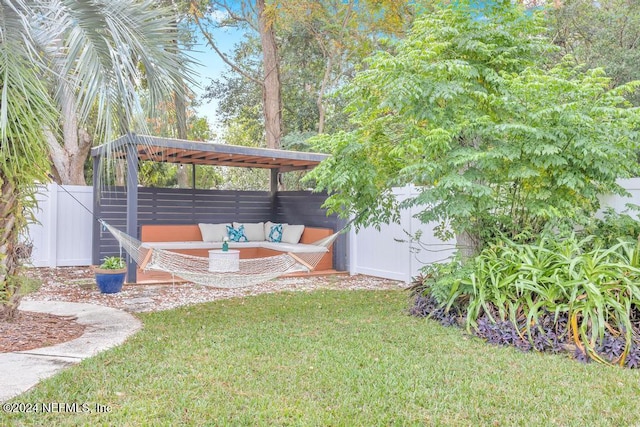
(223, 272)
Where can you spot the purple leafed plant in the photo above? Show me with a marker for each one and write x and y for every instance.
(581, 356)
(550, 333)
(500, 333)
(427, 306)
(633, 358)
(611, 347)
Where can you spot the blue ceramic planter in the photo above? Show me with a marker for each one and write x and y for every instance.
(110, 281)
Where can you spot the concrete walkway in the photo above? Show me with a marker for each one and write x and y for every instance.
(105, 328)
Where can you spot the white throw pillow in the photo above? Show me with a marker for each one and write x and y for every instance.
(253, 231)
(292, 233)
(213, 232)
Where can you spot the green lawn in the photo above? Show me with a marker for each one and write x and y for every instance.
(351, 358)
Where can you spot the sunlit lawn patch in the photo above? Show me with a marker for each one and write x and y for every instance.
(328, 358)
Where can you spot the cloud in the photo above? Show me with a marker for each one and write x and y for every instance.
(218, 15)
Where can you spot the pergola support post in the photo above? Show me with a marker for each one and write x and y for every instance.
(132, 202)
(95, 250)
(273, 189)
(340, 248)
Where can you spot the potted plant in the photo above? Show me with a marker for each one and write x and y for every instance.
(110, 274)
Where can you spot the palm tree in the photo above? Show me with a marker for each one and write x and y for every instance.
(99, 50)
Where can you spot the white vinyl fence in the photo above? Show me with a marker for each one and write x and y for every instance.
(62, 234)
(632, 185)
(388, 253)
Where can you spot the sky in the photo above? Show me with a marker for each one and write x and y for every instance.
(210, 67)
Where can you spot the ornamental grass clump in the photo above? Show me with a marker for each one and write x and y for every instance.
(554, 295)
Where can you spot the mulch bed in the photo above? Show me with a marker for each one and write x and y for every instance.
(34, 330)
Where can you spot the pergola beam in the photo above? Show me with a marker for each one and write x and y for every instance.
(150, 148)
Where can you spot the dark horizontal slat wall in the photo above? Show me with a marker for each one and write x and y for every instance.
(188, 206)
(302, 207)
(113, 209)
(178, 206)
(305, 207)
(185, 206)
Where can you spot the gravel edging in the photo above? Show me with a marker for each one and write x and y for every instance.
(78, 285)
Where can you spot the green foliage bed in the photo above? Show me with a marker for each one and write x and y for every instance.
(555, 294)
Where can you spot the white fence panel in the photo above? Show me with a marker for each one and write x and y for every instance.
(632, 185)
(390, 253)
(377, 253)
(62, 234)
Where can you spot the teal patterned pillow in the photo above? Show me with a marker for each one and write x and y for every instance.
(236, 234)
(275, 235)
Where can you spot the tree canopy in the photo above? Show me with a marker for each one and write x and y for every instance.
(498, 140)
(603, 33)
(320, 45)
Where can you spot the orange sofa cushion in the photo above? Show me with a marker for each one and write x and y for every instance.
(191, 232)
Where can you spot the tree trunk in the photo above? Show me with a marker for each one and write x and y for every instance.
(69, 158)
(121, 172)
(468, 245)
(9, 231)
(323, 88)
(271, 89)
(183, 175)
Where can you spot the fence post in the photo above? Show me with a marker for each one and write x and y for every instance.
(406, 193)
(353, 251)
(52, 229)
(411, 192)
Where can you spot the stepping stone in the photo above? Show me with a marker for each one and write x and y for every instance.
(139, 300)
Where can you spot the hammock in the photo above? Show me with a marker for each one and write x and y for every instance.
(221, 273)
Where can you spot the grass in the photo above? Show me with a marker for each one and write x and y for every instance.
(327, 358)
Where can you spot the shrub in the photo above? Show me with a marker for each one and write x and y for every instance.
(612, 227)
(425, 304)
(548, 296)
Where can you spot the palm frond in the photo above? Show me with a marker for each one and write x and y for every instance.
(25, 106)
(107, 50)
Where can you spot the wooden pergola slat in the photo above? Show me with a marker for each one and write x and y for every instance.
(150, 148)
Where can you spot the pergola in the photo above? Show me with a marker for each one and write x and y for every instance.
(144, 147)
(135, 148)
